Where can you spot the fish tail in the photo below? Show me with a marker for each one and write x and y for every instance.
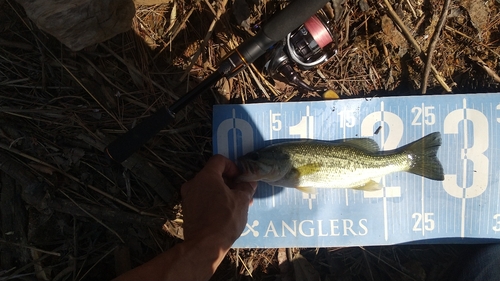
(425, 162)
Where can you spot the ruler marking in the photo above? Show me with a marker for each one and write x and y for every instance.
(498, 199)
(273, 191)
(384, 198)
(270, 125)
(235, 142)
(439, 193)
(464, 169)
(343, 118)
(422, 179)
(490, 192)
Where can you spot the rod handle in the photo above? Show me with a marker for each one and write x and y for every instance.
(125, 145)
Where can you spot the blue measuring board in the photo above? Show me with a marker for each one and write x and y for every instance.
(409, 208)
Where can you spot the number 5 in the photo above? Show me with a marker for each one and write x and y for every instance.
(275, 122)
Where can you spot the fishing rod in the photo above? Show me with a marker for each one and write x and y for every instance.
(284, 22)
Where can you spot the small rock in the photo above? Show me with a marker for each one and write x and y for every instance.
(81, 23)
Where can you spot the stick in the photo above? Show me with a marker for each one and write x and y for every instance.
(111, 197)
(92, 216)
(221, 9)
(30, 247)
(432, 46)
(414, 43)
(486, 68)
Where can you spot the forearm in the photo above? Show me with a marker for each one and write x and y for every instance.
(185, 261)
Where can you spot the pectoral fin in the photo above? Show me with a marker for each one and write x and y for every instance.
(369, 186)
(307, 189)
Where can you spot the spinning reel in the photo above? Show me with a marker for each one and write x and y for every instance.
(304, 47)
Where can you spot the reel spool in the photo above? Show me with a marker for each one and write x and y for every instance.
(304, 47)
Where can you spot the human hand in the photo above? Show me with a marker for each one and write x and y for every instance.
(214, 206)
(215, 210)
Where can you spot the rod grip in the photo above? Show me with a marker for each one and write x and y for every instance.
(124, 146)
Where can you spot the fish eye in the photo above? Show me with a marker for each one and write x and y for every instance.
(253, 156)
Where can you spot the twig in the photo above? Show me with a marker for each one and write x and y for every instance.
(13, 44)
(414, 43)
(432, 45)
(346, 35)
(105, 255)
(264, 92)
(269, 85)
(24, 155)
(195, 57)
(486, 68)
(92, 216)
(16, 274)
(471, 39)
(104, 213)
(245, 266)
(173, 34)
(388, 263)
(100, 73)
(137, 71)
(411, 8)
(30, 247)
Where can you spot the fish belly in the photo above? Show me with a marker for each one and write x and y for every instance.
(351, 179)
(344, 172)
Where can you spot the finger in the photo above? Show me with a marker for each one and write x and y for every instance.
(222, 166)
(247, 189)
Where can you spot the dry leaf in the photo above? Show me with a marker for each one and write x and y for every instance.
(392, 35)
(241, 12)
(303, 269)
(225, 87)
(479, 15)
(42, 168)
(151, 2)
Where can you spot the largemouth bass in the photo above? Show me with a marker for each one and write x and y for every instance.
(350, 163)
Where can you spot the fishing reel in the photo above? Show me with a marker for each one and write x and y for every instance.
(304, 47)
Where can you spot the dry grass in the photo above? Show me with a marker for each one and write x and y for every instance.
(69, 213)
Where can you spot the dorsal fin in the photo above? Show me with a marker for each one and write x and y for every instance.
(365, 144)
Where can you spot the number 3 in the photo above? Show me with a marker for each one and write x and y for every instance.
(474, 153)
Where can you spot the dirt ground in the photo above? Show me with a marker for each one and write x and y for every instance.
(69, 213)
